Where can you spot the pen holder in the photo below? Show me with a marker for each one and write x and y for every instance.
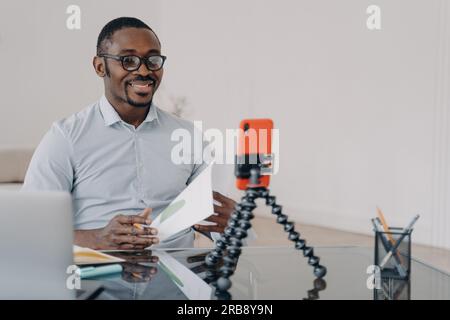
(393, 289)
(394, 264)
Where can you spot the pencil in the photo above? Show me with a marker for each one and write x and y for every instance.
(385, 226)
(387, 231)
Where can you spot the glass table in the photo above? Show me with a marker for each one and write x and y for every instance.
(270, 273)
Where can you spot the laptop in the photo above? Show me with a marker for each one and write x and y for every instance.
(36, 243)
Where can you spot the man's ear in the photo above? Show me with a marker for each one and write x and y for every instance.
(99, 66)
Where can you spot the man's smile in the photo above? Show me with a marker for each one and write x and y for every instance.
(142, 87)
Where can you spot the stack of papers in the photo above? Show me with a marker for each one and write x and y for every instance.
(85, 256)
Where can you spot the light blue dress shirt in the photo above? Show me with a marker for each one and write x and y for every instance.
(111, 167)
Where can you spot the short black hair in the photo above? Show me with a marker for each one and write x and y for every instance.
(118, 24)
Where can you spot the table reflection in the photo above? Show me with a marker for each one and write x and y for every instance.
(269, 273)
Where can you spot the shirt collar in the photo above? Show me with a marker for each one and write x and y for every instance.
(110, 115)
(152, 114)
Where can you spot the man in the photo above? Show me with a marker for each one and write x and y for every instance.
(115, 156)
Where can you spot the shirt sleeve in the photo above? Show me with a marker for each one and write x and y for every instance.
(51, 168)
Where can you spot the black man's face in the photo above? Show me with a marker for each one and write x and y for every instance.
(133, 87)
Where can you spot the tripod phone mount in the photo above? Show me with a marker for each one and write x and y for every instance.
(240, 222)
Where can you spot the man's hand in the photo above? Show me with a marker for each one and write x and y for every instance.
(221, 216)
(120, 234)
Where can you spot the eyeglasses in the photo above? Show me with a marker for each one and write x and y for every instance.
(133, 63)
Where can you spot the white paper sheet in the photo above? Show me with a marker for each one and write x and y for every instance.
(191, 206)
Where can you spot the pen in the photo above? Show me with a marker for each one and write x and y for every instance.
(406, 232)
(413, 221)
(89, 272)
(141, 226)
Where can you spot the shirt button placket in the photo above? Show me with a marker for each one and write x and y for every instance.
(139, 165)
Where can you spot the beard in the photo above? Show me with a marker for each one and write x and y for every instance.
(135, 103)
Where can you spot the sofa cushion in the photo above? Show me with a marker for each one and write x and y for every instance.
(14, 163)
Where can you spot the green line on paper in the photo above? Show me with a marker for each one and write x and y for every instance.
(172, 209)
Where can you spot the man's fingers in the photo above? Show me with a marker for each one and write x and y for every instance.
(132, 219)
(219, 220)
(128, 230)
(227, 202)
(131, 247)
(148, 230)
(126, 247)
(133, 230)
(154, 259)
(210, 228)
(221, 210)
(146, 213)
(135, 240)
(151, 231)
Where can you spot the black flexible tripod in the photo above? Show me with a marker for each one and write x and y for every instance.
(239, 223)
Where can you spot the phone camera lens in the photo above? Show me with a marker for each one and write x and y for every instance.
(246, 127)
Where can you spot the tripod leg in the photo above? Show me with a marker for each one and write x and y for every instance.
(300, 244)
(319, 285)
(217, 253)
(247, 205)
(231, 239)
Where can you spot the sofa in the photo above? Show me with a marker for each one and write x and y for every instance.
(13, 166)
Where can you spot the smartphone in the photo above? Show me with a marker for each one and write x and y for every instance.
(254, 149)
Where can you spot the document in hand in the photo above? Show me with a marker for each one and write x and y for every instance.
(191, 206)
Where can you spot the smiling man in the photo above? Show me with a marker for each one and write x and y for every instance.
(115, 155)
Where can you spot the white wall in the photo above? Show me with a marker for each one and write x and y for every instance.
(46, 69)
(363, 115)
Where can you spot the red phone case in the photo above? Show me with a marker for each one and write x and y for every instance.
(258, 140)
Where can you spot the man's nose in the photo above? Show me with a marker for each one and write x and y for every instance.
(143, 70)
